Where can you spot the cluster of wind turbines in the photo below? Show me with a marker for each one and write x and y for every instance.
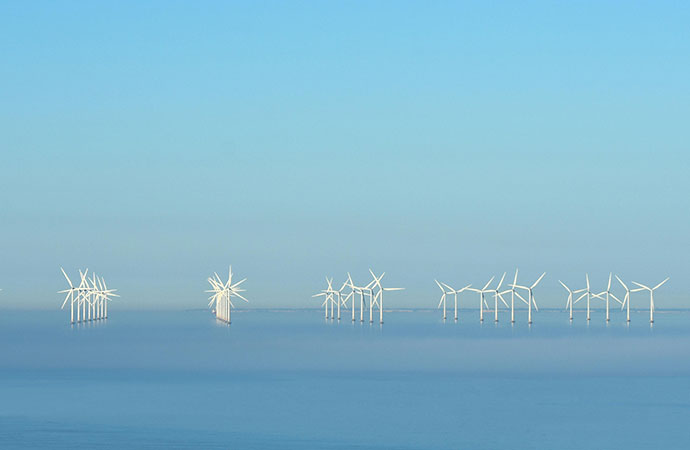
(335, 298)
(586, 292)
(90, 298)
(607, 295)
(221, 302)
(447, 290)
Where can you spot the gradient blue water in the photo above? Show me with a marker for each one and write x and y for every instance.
(289, 379)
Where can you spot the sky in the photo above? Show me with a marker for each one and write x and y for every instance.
(158, 142)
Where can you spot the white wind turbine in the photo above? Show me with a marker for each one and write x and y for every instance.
(71, 291)
(105, 296)
(588, 293)
(339, 293)
(351, 295)
(82, 296)
(530, 301)
(109, 293)
(642, 287)
(606, 299)
(455, 294)
(497, 295)
(77, 295)
(378, 297)
(95, 296)
(443, 299)
(482, 302)
(362, 291)
(569, 303)
(626, 299)
(328, 294)
(513, 293)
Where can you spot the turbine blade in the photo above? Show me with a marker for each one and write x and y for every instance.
(439, 285)
(621, 282)
(563, 284)
(538, 280)
(521, 298)
(642, 285)
(68, 280)
(501, 282)
(660, 284)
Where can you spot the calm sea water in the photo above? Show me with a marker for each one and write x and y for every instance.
(291, 380)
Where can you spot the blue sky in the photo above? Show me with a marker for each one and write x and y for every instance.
(158, 142)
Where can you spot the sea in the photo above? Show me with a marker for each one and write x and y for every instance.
(291, 379)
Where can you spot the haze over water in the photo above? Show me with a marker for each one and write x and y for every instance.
(290, 379)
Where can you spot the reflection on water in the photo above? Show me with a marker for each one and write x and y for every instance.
(286, 379)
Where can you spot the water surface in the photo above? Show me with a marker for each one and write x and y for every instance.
(290, 379)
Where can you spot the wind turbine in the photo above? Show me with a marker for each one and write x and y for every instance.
(569, 303)
(350, 295)
(95, 295)
(379, 295)
(82, 291)
(626, 299)
(70, 295)
(339, 293)
(642, 287)
(608, 293)
(482, 302)
(513, 293)
(365, 290)
(443, 299)
(328, 293)
(588, 293)
(82, 296)
(455, 294)
(531, 301)
(497, 295)
(107, 294)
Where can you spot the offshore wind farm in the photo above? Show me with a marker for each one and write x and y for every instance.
(344, 225)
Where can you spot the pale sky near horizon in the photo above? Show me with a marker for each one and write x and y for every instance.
(157, 142)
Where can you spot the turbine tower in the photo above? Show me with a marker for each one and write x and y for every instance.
(642, 287)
